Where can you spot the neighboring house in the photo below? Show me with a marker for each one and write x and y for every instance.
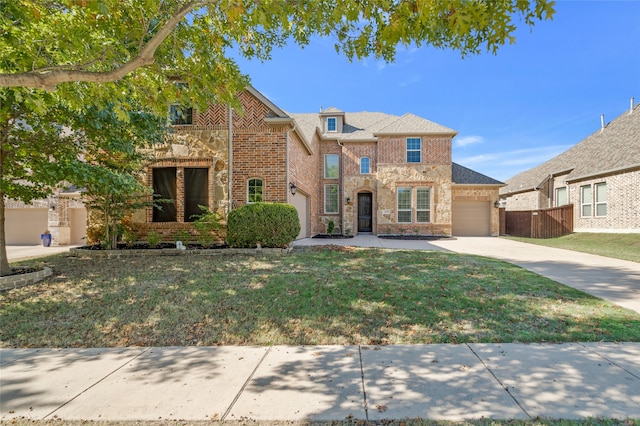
(62, 214)
(366, 172)
(600, 176)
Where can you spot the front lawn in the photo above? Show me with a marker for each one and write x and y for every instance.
(619, 246)
(324, 295)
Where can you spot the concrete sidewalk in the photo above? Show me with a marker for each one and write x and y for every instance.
(284, 383)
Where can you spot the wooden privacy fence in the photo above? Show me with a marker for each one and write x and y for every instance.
(545, 223)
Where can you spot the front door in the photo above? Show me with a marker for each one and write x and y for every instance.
(364, 212)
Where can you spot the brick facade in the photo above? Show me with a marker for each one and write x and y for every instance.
(623, 203)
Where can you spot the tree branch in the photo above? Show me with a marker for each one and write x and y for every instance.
(48, 80)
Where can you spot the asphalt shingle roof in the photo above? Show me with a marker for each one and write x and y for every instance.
(365, 126)
(614, 148)
(463, 176)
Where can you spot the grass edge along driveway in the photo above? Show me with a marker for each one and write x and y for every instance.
(316, 296)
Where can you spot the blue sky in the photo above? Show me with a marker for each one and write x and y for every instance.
(513, 111)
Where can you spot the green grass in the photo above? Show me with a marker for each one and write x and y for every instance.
(619, 246)
(317, 296)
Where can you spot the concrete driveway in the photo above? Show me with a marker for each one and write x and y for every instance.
(617, 281)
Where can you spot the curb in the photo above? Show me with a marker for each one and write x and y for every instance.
(15, 281)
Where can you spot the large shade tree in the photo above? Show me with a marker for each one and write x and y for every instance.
(46, 43)
(63, 56)
(46, 145)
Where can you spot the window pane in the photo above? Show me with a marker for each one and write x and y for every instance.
(365, 165)
(601, 209)
(424, 198)
(404, 198)
(254, 191)
(586, 210)
(164, 188)
(413, 143)
(331, 198)
(561, 197)
(331, 166)
(423, 216)
(601, 193)
(196, 192)
(586, 194)
(404, 216)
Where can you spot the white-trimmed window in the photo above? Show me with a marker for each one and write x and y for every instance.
(331, 199)
(254, 190)
(331, 166)
(404, 205)
(332, 124)
(423, 205)
(561, 196)
(586, 201)
(414, 150)
(365, 165)
(600, 191)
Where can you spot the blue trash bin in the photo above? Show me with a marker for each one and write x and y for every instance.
(46, 239)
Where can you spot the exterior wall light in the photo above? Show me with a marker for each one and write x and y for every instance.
(293, 188)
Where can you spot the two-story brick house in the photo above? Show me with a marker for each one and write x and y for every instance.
(366, 172)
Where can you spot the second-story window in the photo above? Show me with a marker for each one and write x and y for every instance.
(414, 150)
(331, 169)
(180, 115)
(365, 166)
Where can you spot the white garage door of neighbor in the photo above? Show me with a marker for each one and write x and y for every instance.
(299, 201)
(471, 218)
(24, 226)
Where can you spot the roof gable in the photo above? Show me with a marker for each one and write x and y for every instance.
(411, 124)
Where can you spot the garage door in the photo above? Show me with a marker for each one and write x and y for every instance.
(24, 226)
(300, 202)
(78, 226)
(471, 218)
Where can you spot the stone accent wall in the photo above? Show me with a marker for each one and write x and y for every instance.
(623, 204)
(390, 177)
(480, 193)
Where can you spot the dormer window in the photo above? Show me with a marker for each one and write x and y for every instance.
(332, 124)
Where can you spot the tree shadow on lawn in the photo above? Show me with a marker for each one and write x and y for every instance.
(319, 296)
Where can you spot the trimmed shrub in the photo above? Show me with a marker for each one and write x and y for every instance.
(270, 224)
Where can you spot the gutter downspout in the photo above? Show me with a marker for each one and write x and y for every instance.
(230, 177)
(341, 190)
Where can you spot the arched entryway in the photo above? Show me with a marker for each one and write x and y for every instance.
(365, 212)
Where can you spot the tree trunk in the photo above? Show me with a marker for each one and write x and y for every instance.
(5, 269)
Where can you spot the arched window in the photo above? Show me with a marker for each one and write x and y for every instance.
(254, 191)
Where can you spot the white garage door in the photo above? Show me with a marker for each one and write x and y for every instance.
(24, 226)
(300, 202)
(471, 218)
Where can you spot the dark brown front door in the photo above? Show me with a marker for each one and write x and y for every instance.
(364, 212)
